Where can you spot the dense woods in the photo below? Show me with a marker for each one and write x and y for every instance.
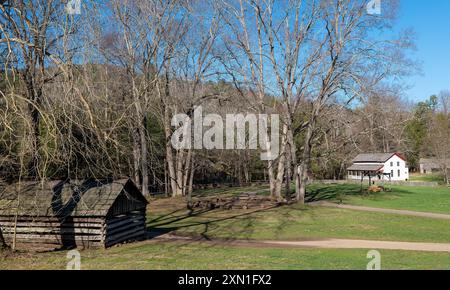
(92, 94)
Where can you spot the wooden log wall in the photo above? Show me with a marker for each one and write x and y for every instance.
(83, 232)
(124, 228)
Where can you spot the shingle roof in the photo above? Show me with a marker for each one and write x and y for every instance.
(362, 167)
(432, 162)
(62, 199)
(373, 157)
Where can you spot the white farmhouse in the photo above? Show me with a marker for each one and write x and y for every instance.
(379, 166)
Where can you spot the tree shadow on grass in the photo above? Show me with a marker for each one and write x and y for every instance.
(234, 230)
(230, 223)
(167, 216)
(339, 192)
(331, 192)
(218, 226)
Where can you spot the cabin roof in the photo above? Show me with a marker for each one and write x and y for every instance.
(375, 157)
(66, 198)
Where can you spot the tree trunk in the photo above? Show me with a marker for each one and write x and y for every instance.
(301, 182)
(186, 169)
(278, 182)
(446, 178)
(171, 174)
(245, 165)
(169, 158)
(179, 172)
(144, 161)
(288, 172)
(3, 244)
(136, 157)
(303, 168)
(140, 150)
(191, 181)
(34, 95)
(271, 176)
(293, 156)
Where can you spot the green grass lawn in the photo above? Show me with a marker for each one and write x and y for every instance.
(435, 177)
(200, 256)
(298, 222)
(426, 199)
(292, 222)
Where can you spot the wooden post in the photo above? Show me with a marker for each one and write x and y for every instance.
(15, 222)
(362, 180)
(166, 180)
(103, 234)
(3, 244)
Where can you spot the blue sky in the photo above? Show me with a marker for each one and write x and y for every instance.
(430, 19)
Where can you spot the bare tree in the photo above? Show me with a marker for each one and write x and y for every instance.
(265, 59)
(306, 52)
(30, 30)
(439, 135)
(35, 40)
(88, 103)
(444, 102)
(135, 53)
(190, 56)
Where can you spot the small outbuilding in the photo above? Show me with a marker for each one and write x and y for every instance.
(432, 165)
(91, 213)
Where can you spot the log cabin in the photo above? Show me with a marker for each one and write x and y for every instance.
(68, 214)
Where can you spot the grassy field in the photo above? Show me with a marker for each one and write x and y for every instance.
(232, 191)
(293, 222)
(427, 199)
(199, 256)
(297, 222)
(435, 177)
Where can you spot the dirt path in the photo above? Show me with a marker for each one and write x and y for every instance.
(365, 244)
(318, 243)
(384, 210)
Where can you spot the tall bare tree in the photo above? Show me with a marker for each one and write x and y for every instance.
(191, 55)
(306, 52)
(31, 30)
(439, 134)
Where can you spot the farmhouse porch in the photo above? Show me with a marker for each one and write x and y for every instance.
(368, 171)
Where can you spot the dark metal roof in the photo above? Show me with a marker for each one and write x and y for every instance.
(362, 167)
(66, 198)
